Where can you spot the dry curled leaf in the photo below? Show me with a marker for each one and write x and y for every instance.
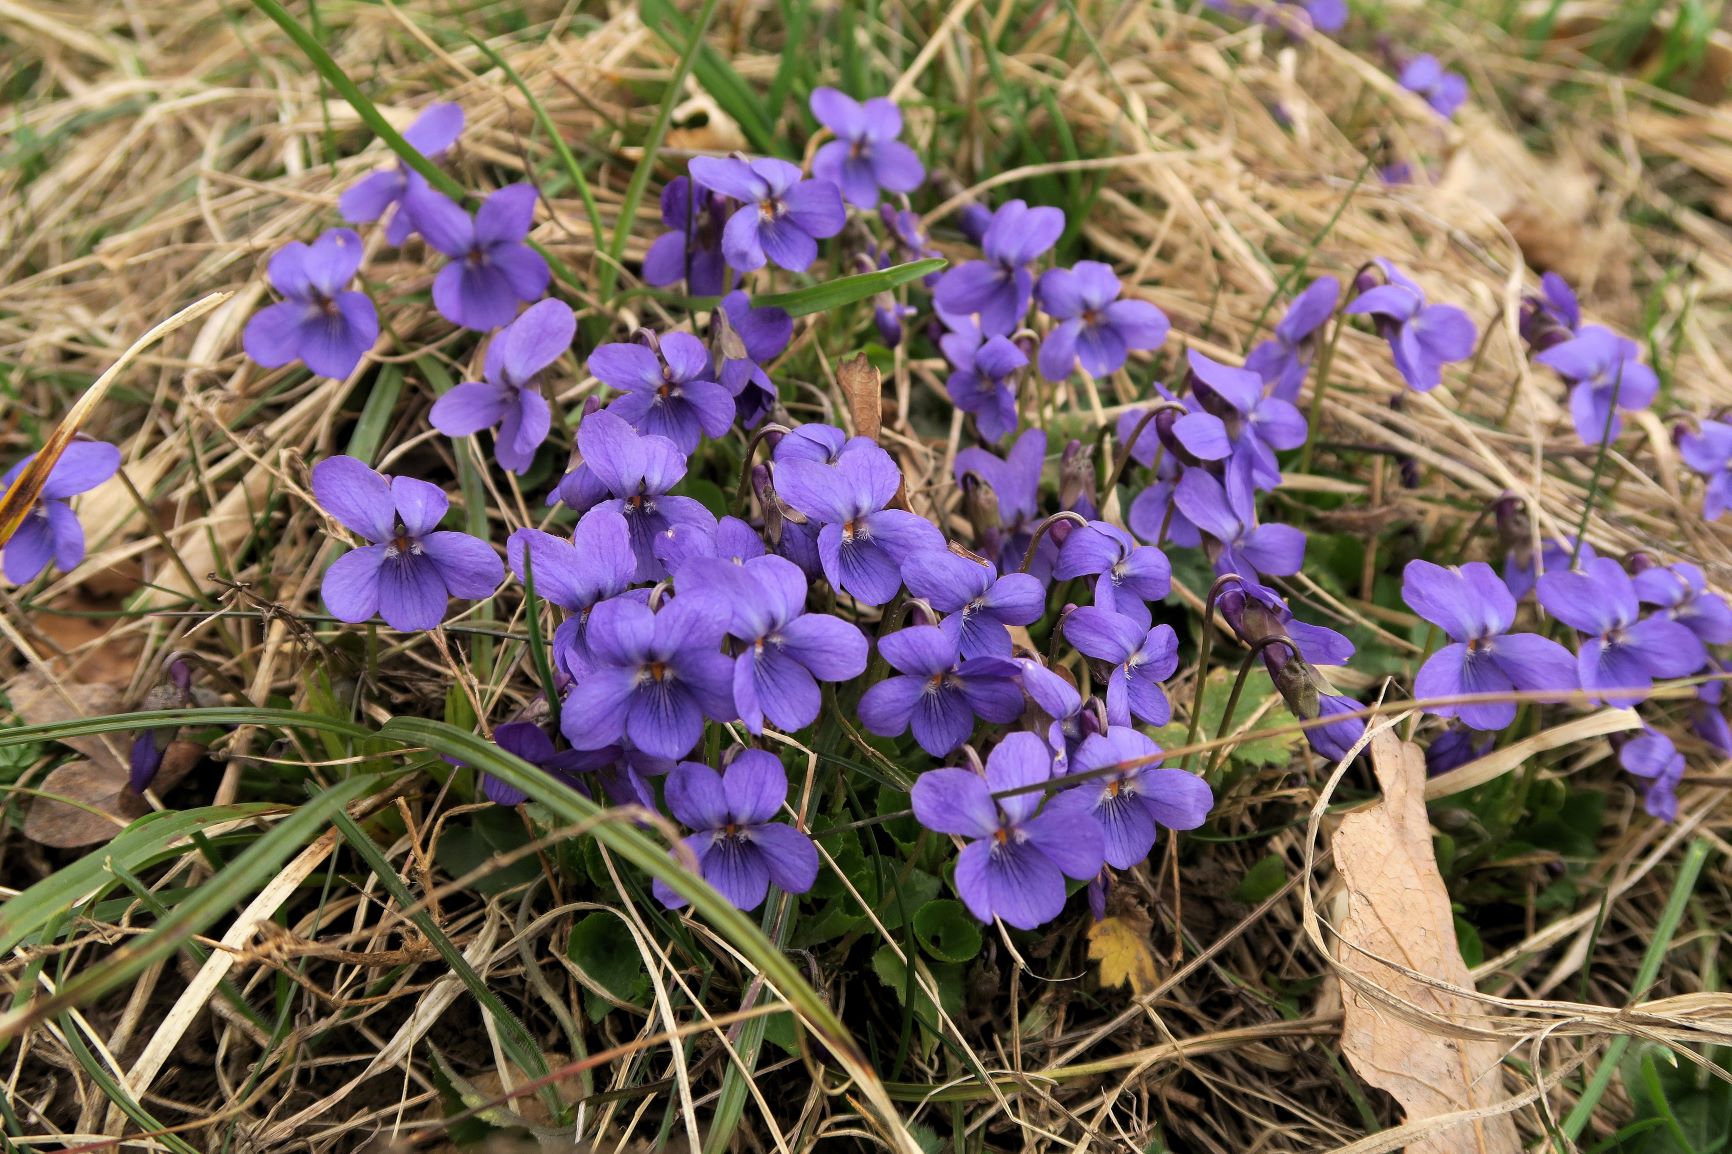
(1398, 909)
(105, 806)
(1120, 943)
(37, 701)
(863, 388)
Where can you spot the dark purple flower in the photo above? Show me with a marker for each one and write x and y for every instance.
(1130, 575)
(1652, 755)
(411, 569)
(862, 544)
(434, 131)
(983, 382)
(1422, 337)
(740, 850)
(1454, 748)
(1255, 424)
(632, 473)
(1131, 804)
(50, 530)
(1015, 864)
(865, 156)
(492, 269)
(1227, 515)
(1707, 720)
(145, 757)
(1141, 659)
(979, 602)
(530, 742)
(786, 650)
(1094, 327)
(1605, 375)
(1709, 452)
(692, 248)
(1444, 91)
(510, 398)
(1551, 317)
(758, 336)
(652, 677)
(321, 322)
(576, 575)
(666, 391)
(1620, 651)
(1283, 361)
(1256, 613)
(781, 217)
(1000, 287)
(936, 696)
(1013, 483)
(1476, 609)
(1681, 590)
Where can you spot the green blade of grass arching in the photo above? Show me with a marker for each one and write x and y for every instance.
(364, 108)
(537, 645)
(234, 884)
(376, 414)
(846, 290)
(114, 1090)
(513, 1038)
(715, 74)
(634, 189)
(572, 168)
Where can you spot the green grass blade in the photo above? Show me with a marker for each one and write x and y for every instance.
(154, 718)
(717, 76)
(846, 290)
(114, 1091)
(376, 414)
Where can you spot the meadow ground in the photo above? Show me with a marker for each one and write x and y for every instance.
(329, 939)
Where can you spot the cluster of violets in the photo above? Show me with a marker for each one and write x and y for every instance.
(828, 595)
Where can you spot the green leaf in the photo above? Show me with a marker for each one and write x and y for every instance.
(846, 290)
(604, 952)
(946, 931)
(946, 978)
(471, 845)
(376, 414)
(1262, 881)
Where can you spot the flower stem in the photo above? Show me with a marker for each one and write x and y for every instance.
(1313, 423)
(1599, 468)
(1204, 645)
(1239, 688)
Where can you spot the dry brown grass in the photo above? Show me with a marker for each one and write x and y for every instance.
(179, 144)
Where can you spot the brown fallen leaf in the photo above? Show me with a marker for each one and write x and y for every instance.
(1398, 909)
(1120, 943)
(863, 389)
(107, 805)
(38, 702)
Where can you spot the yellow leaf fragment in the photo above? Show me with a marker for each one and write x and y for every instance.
(1120, 943)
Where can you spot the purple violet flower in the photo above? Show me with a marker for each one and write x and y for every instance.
(740, 850)
(665, 391)
(1335, 740)
(576, 575)
(1422, 337)
(1131, 805)
(865, 156)
(1255, 613)
(1141, 660)
(1454, 748)
(1605, 375)
(1682, 592)
(411, 569)
(492, 269)
(760, 336)
(394, 190)
(823, 444)
(1707, 720)
(1620, 651)
(1444, 91)
(1283, 361)
(1013, 483)
(732, 541)
(983, 383)
(938, 694)
(1015, 864)
(1227, 516)
(510, 397)
(1652, 755)
(781, 217)
(1094, 327)
(321, 321)
(50, 530)
(652, 677)
(1130, 575)
(786, 651)
(1552, 316)
(979, 602)
(692, 248)
(1520, 571)
(862, 544)
(1709, 452)
(1476, 609)
(1256, 425)
(529, 741)
(1000, 287)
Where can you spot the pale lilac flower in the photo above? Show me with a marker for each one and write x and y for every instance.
(50, 530)
(576, 575)
(1283, 361)
(1520, 571)
(1130, 575)
(740, 850)
(510, 398)
(492, 269)
(321, 321)
(781, 218)
(1620, 651)
(691, 249)
(396, 190)
(978, 602)
(411, 569)
(666, 391)
(1444, 91)
(1016, 862)
(938, 694)
(1095, 328)
(1681, 590)
(731, 540)
(1227, 516)
(1131, 804)
(1000, 287)
(865, 156)
(1422, 337)
(1141, 660)
(1652, 755)
(1255, 424)
(1605, 375)
(1709, 452)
